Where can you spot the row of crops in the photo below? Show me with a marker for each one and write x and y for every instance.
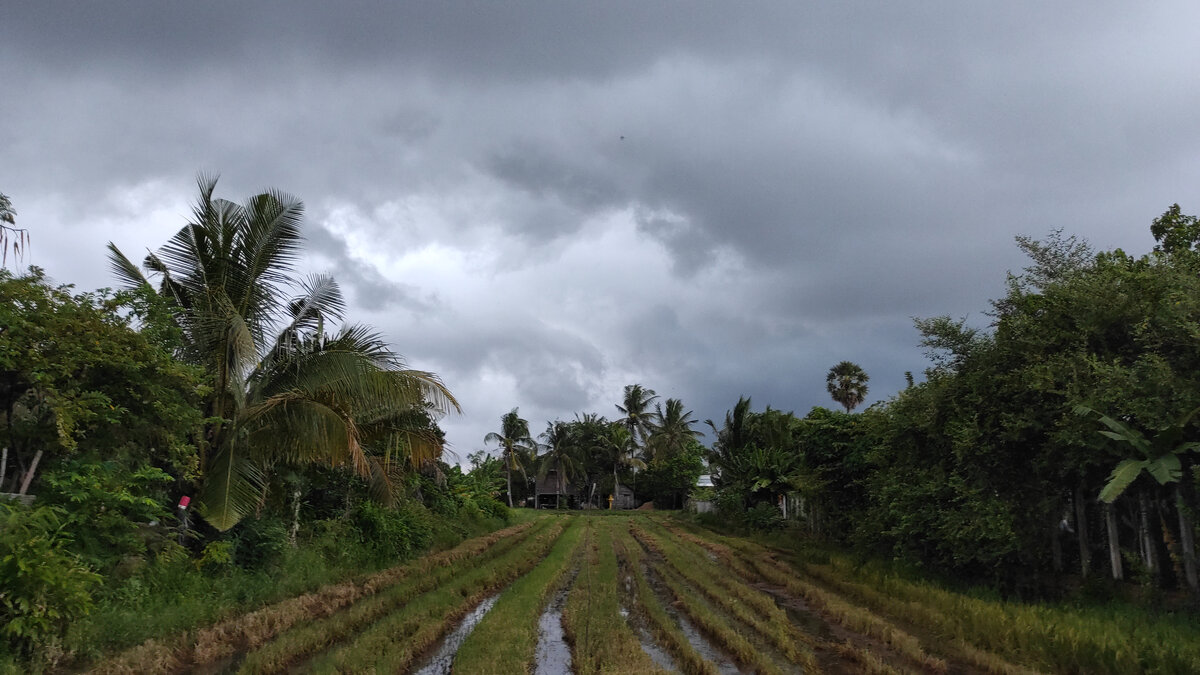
(628, 593)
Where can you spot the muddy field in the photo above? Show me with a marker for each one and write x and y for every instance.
(619, 593)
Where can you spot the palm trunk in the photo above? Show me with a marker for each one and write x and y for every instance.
(1056, 550)
(295, 517)
(1085, 552)
(37, 457)
(616, 489)
(1187, 538)
(1114, 544)
(508, 475)
(3, 467)
(1150, 553)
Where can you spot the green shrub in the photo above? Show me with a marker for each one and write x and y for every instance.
(43, 587)
(260, 542)
(105, 503)
(392, 532)
(763, 516)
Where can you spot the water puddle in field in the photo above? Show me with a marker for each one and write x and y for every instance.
(706, 649)
(553, 656)
(656, 653)
(438, 663)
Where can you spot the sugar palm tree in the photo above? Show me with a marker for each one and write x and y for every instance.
(674, 430)
(847, 384)
(559, 456)
(516, 445)
(284, 389)
(639, 418)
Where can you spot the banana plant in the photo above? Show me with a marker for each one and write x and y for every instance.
(1157, 456)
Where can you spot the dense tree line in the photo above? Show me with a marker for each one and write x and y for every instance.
(993, 468)
(653, 448)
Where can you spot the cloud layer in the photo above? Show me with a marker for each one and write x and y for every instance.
(546, 201)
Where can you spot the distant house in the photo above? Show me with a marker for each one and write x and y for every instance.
(549, 494)
(624, 498)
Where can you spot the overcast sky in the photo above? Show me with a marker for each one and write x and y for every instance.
(546, 201)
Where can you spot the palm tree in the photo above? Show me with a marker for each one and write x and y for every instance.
(639, 418)
(9, 215)
(620, 446)
(732, 437)
(516, 444)
(674, 430)
(560, 456)
(283, 388)
(847, 384)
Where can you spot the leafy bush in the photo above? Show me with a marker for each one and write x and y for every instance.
(105, 502)
(393, 532)
(43, 587)
(260, 542)
(763, 516)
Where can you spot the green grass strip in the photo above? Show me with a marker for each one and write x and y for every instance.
(394, 642)
(300, 642)
(505, 641)
(601, 640)
(665, 630)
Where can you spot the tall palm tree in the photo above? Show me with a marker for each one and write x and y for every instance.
(9, 215)
(516, 445)
(731, 438)
(674, 430)
(283, 388)
(847, 384)
(621, 447)
(560, 456)
(639, 418)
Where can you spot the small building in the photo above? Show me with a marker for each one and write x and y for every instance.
(550, 494)
(623, 499)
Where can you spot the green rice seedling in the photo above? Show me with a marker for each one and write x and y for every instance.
(665, 630)
(601, 640)
(309, 638)
(505, 640)
(751, 607)
(394, 642)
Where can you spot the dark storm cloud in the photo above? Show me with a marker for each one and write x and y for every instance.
(545, 200)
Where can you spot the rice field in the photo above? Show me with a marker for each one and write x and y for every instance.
(653, 593)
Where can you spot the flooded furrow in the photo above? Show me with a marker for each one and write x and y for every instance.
(442, 656)
(703, 646)
(553, 656)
